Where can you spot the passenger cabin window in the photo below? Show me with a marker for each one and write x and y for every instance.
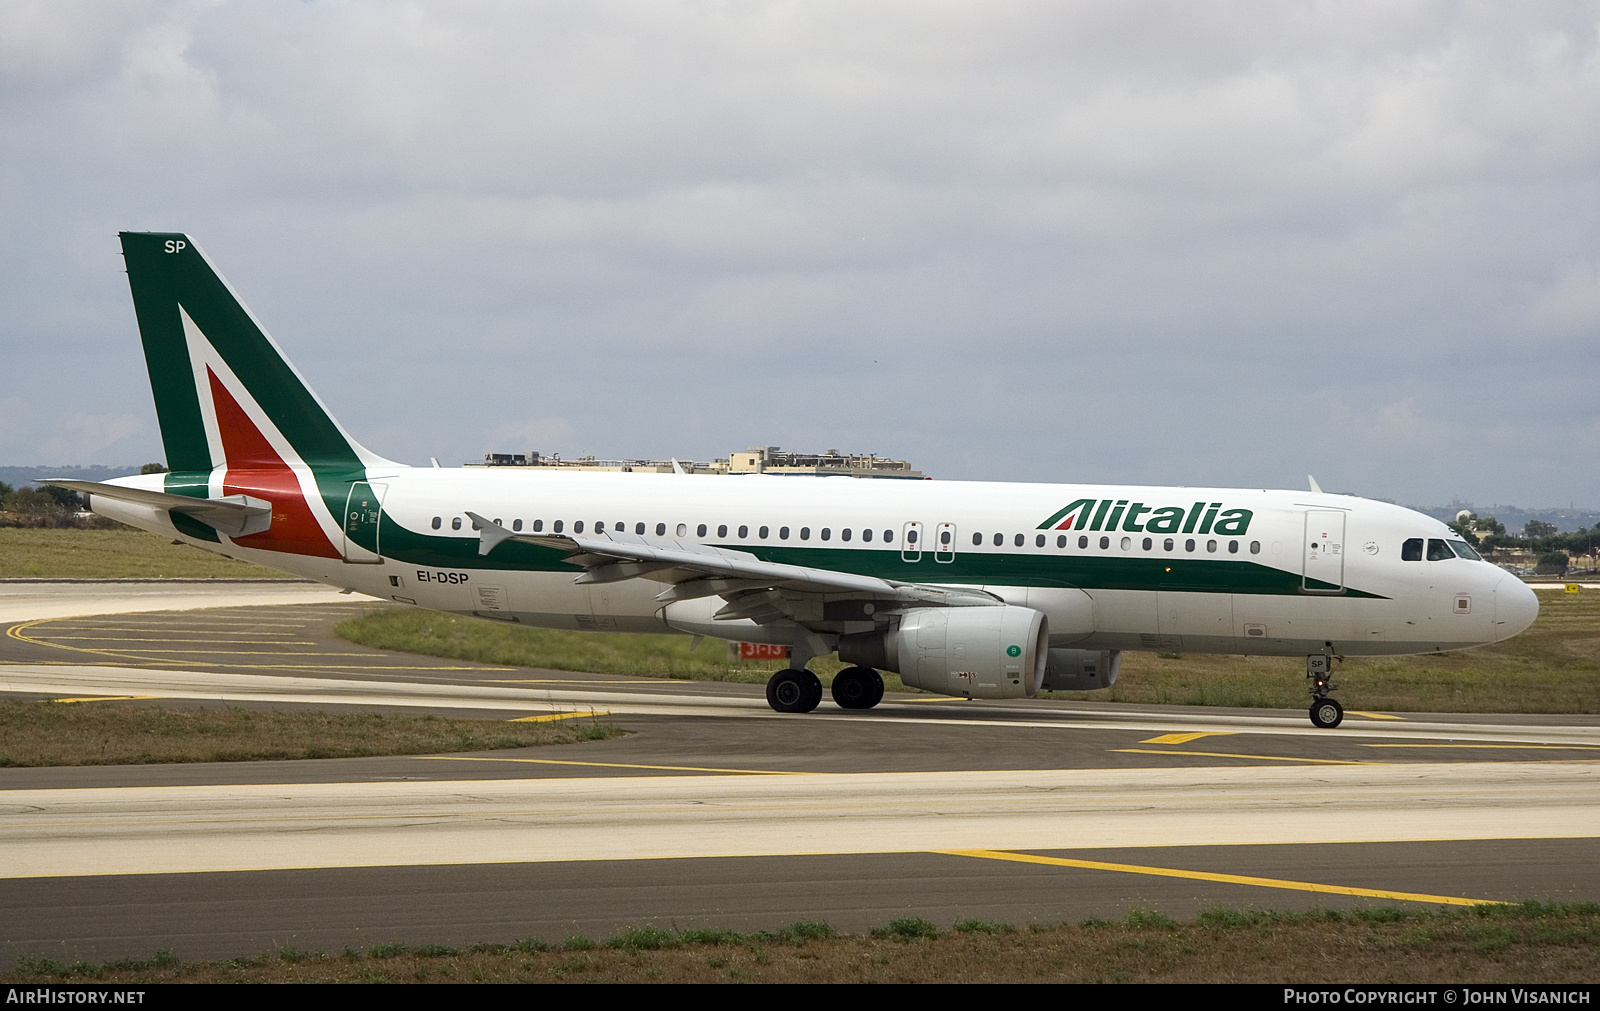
(762, 533)
(722, 529)
(783, 533)
(999, 539)
(700, 531)
(1438, 550)
(1061, 541)
(1105, 542)
(683, 530)
(1411, 550)
(866, 533)
(805, 533)
(516, 525)
(826, 533)
(1255, 547)
(1146, 544)
(1167, 544)
(1083, 542)
(556, 526)
(661, 530)
(638, 528)
(844, 535)
(977, 539)
(888, 537)
(1038, 540)
(1188, 545)
(437, 522)
(538, 525)
(1233, 547)
(577, 527)
(455, 523)
(744, 532)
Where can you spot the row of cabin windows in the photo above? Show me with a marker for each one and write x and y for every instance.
(1126, 544)
(682, 530)
(845, 534)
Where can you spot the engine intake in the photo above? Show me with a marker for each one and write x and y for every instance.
(971, 652)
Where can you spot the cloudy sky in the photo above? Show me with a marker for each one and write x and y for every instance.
(1174, 243)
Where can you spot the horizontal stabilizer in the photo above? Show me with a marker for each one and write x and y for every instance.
(235, 515)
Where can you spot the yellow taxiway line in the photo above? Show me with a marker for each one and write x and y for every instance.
(1229, 879)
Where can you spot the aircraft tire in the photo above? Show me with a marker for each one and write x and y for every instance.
(857, 688)
(794, 691)
(1326, 713)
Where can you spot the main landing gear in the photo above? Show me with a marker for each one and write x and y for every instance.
(794, 691)
(797, 690)
(1326, 712)
(857, 688)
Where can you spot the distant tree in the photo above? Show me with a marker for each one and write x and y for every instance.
(1464, 524)
(153, 468)
(67, 499)
(5, 489)
(1538, 528)
(1553, 563)
(1488, 524)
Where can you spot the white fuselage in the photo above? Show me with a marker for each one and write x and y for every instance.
(1307, 570)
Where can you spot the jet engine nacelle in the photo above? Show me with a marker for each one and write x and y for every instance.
(1080, 670)
(972, 652)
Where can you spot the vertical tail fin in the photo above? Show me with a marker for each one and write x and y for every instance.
(212, 367)
(236, 418)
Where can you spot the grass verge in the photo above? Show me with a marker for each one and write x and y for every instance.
(1531, 942)
(56, 733)
(114, 554)
(1553, 667)
(663, 656)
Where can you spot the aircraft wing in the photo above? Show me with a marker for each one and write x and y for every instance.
(700, 570)
(235, 515)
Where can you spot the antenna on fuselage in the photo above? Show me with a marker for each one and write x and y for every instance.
(1314, 485)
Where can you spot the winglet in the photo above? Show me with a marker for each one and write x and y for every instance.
(490, 533)
(1314, 485)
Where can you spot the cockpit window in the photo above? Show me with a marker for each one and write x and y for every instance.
(1438, 550)
(1464, 550)
(1411, 550)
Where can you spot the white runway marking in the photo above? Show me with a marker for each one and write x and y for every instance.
(86, 680)
(36, 601)
(151, 830)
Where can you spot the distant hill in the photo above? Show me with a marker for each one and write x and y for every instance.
(1515, 518)
(18, 477)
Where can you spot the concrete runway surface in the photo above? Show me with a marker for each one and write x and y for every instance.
(716, 811)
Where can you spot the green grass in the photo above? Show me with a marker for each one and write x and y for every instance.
(1527, 942)
(1553, 667)
(114, 554)
(663, 656)
(105, 733)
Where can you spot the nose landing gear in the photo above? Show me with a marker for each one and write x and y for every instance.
(1326, 712)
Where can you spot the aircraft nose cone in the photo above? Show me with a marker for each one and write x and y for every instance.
(1515, 606)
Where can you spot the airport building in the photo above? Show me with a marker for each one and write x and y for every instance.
(754, 460)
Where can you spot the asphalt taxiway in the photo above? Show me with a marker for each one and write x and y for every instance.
(717, 811)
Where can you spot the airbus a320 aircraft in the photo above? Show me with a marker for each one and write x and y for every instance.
(979, 590)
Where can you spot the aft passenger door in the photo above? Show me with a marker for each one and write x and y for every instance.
(363, 513)
(1324, 552)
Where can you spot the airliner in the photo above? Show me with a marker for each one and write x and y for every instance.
(977, 590)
